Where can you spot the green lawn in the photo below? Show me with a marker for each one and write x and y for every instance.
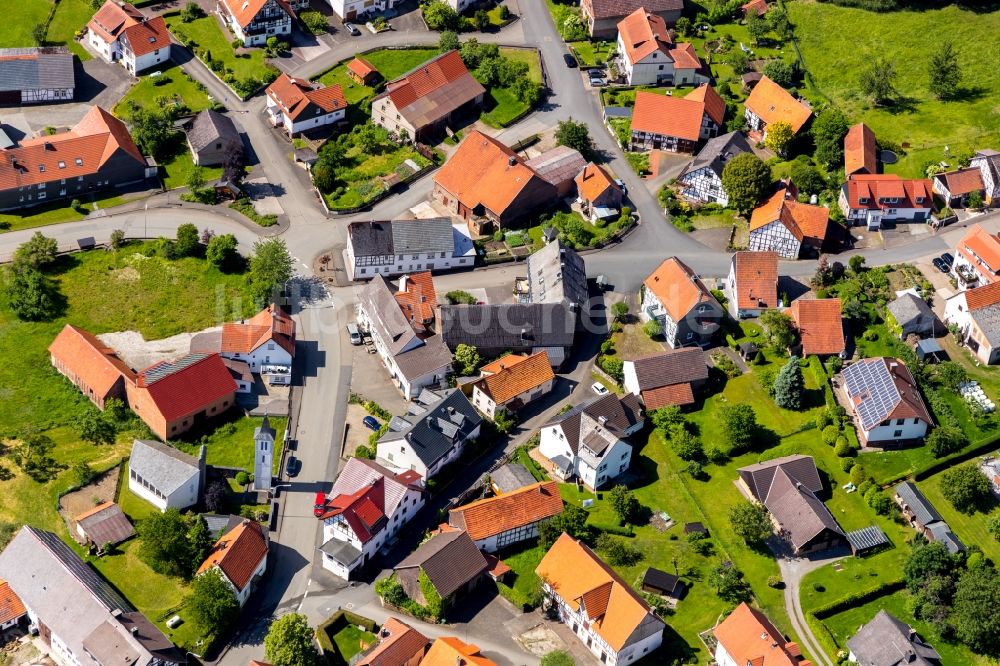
(527, 56)
(172, 88)
(359, 176)
(71, 16)
(206, 35)
(393, 63)
(178, 168)
(588, 53)
(836, 42)
(21, 17)
(970, 529)
(523, 561)
(231, 444)
(60, 211)
(354, 93)
(350, 641)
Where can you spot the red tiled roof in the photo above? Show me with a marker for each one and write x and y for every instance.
(81, 151)
(147, 36)
(756, 280)
(11, 606)
(185, 386)
(982, 297)
(95, 363)
(886, 186)
(677, 288)
(417, 299)
(519, 508)
(750, 638)
(272, 324)
(364, 510)
(427, 78)
(962, 181)
(451, 651)
(399, 643)
(820, 325)
(517, 378)
(501, 363)
(593, 181)
(684, 57)
(361, 67)
(860, 152)
(238, 553)
(245, 11)
(296, 96)
(758, 6)
(676, 394)
(804, 221)
(667, 116)
(979, 247)
(642, 34)
(112, 19)
(772, 103)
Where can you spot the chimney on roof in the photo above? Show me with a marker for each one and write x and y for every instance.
(602, 419)
(512, 160)
(451, 409)
(48, 145)
(402, 283)
(135, 631)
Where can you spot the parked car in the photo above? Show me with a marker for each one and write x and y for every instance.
(293, 467)
(940, 265)
(598, 82)
(599, 388)
(569, 60)
(948, 259)
(352, 330)
(319, 504)
(372, 423)
(351, 28)
(621, 184)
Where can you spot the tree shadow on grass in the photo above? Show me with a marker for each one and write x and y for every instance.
(901, 104)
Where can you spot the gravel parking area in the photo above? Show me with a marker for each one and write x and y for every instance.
(138, 353)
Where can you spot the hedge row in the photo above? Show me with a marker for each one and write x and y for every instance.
(333, 624)
(984, 446)
(858, 599)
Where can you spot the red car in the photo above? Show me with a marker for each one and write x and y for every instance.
(319, 504)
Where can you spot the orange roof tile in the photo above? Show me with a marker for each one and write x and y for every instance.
(772, 103)
(677, 288)
(245, 11)
(667, 116)
(979, 246)
(662, 396)
(272, 324)
(398, 644)
(187, 385)
(860, 150)
(111, 20)
(238, 553)
(876, 187)
(756, 280)
(576, 574)
(483, 171)
(417, 299)
(982, 297)
(512, 381)
(296, 96)
(750, 638)
(804, 221)
(642, 34)
(768, 211)
(106, 504)
(361, 67)
(524, 506)
(427, 78)
(501, 363)
(81, 151)
(95, 363)
(758, 6)
(684, 57)
(593, 181)
(11, 606)
(820, 325)
(450, 651)
(962, 181)
(147, 36)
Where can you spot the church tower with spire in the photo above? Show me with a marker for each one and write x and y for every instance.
(263, 455)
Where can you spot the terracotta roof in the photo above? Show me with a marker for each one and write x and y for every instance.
(604, 9)
(524, 506)
(361, 67)
(684, 57)
(515, 379)
(272, 324)
(417, 299)
(820, 325)
(882, 388)
(433, 90)
(112, 19)
(772, 103)
(81, 151)
(677, 288)
(750, 638)
(95, 363)
(238, 553)
(860, 151)
(982, 297)
(245, 11)
(667, 116)
(297, 96)
(593, 181)
(483, 171)
(804, 221)
(756, 279)
(398, 644)
(642, 34)
(759, 6)
(185, 386)
(576, 574)
(961, 181)
(662, 396)
(501, 363)
(978, 246)
(874, 188)
(363, 510)
(451, 651)
(11, 606)
(147, 36)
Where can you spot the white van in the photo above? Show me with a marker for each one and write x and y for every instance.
(352, 330)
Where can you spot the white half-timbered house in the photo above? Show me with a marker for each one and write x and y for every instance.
(702, 179)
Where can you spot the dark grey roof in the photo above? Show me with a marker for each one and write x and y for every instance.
(370, 239)
(867, 538)
(512, 326)
(450, 560)
(36, 68)
(419, 236)
(717, 152)
(913, 314)
(617, 112)
(886, 641)
(163, 466)
(432, 355)
(615, 414)
(109, 525)
(941, 532)
(988, 320)
(210, 127)
(436, 421)
(556, 274)
(388, 321)
(923, 511)
(666, 583)
(511, 477)
(677, 366)
(604, 9)
(557, 166)
(759, 477)
(220, 524)
(799, 513)
(341, 551)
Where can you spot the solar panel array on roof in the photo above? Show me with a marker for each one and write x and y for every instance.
(162, 370)
(871, 385)
(82, 572)
(867, 538)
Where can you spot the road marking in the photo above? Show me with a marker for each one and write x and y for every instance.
(304, 266)
(303, 597)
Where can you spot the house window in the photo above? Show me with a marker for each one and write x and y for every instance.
(898, 433)
(900, 421)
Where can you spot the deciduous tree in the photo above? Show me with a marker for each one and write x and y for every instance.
(270, 269)
(739, 425)
(943, 72)
(96, 429)
(30, 295)
(221, 250)
(745, 178)
(575, 135)
(974, 613)
(966, 488)
(38, 251)
(751, 523)
(779, 329)
(188, 242)
(211, 602)
(878, 80)
(289, 642)
(779, 137)
(440, 16)
(624, 503)
(466, 360)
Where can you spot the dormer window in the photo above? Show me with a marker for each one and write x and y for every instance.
(41, 168)
(862, 200)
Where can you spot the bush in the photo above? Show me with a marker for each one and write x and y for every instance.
(315, 21)
(242, 478)
(843, 449)
(617, 552)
